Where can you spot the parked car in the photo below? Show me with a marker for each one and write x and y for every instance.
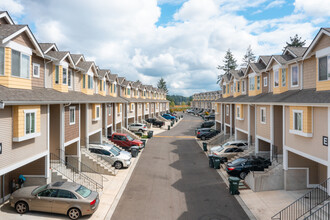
(206, 133)
(155, 122)
(110, 154)
(66, 198)
(125, 141)
(209, 117)
(243, 165)
(169, 117)
(237, 143)
(139, 127)
(226, 153)
(190, 111)
(207, 124)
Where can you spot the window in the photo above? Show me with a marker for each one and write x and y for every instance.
(276, 80)
(72, 112)
(114, 88)
(36, 70)
(235, 86)
(238, 86)
(294, 76)
(265, 81)
(109, 109)
(140, 106)
(120, 106)
(263, 115)
(238, 112)
(110, 87)
(20, 64)
(283, 77)
(57, 74)
(104, 85)
(48, 193)
(2, 61)
(231, 88)
(70, 78)
(251, 81)
(243, 86)
(90, 82)
(228, 89)
(65, 75)
(144, 93)
(258, 82)
(324, 68)
(100, 86)
(132, 107)
(66, 194)
(97, 112)
(227, 110)
(84, 81)
(224, 88)
(30, 121)
(297, 120)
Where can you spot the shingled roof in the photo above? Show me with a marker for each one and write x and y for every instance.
(7, 30)
(59, 55)
(76, 57)
(85, 65)
(45, 46)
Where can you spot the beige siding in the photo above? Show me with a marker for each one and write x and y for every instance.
(110, 117)
(243, 124)
(227, 114)
(309, 73)
(48, 75)
(310, 145)
(71, 131)
(14, 152)
(322, 43)
(93, 125)
(77, 81)
(263, 130)
(289, 76)
(24, 40)
(38, 82)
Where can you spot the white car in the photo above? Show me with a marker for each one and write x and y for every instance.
(137, 127)
(226, 153)
(112, 154)
(239, 143)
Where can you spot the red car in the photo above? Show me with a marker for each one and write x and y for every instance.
(125, 141)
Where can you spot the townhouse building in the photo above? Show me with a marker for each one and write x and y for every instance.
(53, 104)
(204, 101)
(281, 105)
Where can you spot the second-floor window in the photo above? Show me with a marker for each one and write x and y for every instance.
(30, 121)
(65, 75)
(324, 68)
(263, 115)
(238, 86)
(265, 81)
(114, 89)
(243, 86)
(251, 83)
(128, 91)
(111, 87)
(294, 76)
(84, 81)
(276, 78)
(297, 120)
(104, 85)
(100, 86)
(2, 61)
(72, 112)
(90, 82)
(20, 64)
(258, 82)
(227, 110)
(70, 78)
(228, 89)
(57, 74)
(283, 77)
(224, 88)
(35, 70)
(238, 112)
(235, 87)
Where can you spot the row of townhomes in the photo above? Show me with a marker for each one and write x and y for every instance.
(54, 103)
(281, 105)
(205, 100)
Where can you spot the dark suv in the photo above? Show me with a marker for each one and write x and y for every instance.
(209, 117)
(243, 165)
(155, 122)
(208, 124)
(206, 133)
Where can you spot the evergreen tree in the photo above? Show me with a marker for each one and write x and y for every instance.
(172, 103)
(295, 42)
(162, 85)
(249, 57)
(230, 63)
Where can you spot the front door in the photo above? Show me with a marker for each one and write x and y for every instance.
(44, 200)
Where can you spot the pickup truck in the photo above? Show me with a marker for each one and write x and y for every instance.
(169, 117)
(125, 141)
(155, 122)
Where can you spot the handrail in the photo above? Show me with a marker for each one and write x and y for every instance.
(99, 160)
(70, 171)
(321, 213)
(305, 203)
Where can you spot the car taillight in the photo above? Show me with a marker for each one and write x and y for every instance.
(198, 132)
(145, 127)
(231, 168)
(93, 202)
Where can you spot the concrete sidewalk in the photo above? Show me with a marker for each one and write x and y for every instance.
(261, 205)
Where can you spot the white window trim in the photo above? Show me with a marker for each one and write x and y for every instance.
(36, 65)
(66, 81)
(97, 118)
(238, 109)
(109, 109)
(28, 136)
(258, 83)
(265, 81)
(227, 110)
(278, 78)
(74, 115)
(297, 75)
(243, 90)
(318, 69)
(297, 132)
(263, 109)
(71, 77)
(282, 77)
(22, 53)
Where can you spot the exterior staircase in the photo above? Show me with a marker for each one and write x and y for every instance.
(64, 171)
(313, 205)
(97, 163)
(162, 119)
(126, 131)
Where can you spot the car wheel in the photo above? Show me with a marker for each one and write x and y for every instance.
(203, 138)
(118, 165)
(74, 213)
(21, 207)
(140, 130)
(242, 175)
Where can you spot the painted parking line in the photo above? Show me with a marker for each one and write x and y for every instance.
(188, 137)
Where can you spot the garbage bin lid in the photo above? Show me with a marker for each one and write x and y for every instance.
(135, 147)
(233, 178)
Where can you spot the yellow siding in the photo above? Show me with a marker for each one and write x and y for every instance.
(321, 85)
(236, 89)
(307, 118)
(94, 110)
(280, 88)
(19, 119)
(59, 87)
(256, 91)
(14, 82)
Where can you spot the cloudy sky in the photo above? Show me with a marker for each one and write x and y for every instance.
(181, 40)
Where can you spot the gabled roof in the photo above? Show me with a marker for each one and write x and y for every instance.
(121, 80)
(48, 46)
(264, 58)
(77, 57)
(295, 51)
(8, 32)
(136, 84)
(5, 15)
(113, 77)
(87, 65)
(103, 73)
(239, 73)
(60, 56)
(227, 77)
(321, 32)
(281, 60)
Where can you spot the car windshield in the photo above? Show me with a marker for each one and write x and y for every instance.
(129, 138)
(114, 151)
(39, 189)
(116, 148)
(83, 191)
(238, 161)
(226, 144)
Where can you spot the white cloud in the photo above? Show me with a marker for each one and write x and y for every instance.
(14, 7)
(276, 3)
(316, 8)
(122, 35)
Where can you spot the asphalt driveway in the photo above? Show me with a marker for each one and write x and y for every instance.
(172, 180)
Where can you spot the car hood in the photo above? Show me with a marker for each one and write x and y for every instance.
(137, 142)
(24, 192)
(216, 148)
(124, 156)
(125, 153)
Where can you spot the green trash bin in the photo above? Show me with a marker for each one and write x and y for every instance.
(211, 164)
(134, 151)
(176, 120)
(144, 142)
(233, 185)
(169, 127)
(205, 146)
(216, 162)
(150, 134)
(172, 123)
